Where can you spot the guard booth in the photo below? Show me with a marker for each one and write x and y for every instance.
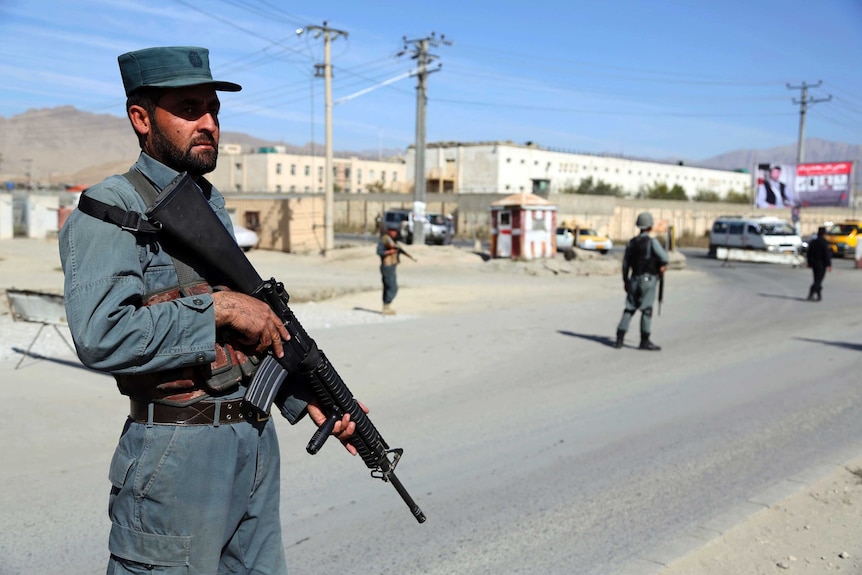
(523, 227)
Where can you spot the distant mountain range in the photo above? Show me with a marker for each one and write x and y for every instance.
(66, 145)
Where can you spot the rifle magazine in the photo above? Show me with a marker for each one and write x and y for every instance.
(265, 384)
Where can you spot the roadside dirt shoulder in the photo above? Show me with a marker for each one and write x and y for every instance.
(815, 531)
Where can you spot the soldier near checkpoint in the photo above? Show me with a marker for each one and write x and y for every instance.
(644, 262)
(195, 475)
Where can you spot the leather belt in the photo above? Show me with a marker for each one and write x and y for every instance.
(204, 412)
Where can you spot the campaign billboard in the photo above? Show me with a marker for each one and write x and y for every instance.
(823, 184)
(812, 184)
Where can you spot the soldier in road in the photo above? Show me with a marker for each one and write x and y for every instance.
(644, 261)
(387, 249)
(820, 261)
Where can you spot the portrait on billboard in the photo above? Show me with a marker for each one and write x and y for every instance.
(775, 186)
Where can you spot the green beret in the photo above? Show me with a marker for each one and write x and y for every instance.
(169, 67)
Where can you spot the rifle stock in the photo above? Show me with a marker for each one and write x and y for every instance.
(189, 227)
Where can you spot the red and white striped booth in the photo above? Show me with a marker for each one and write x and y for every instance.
(523, 227)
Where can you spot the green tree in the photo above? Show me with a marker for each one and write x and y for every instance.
(734, 197)
(706, 196)
(588, 187)
(660, 191)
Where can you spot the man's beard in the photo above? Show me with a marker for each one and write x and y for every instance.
(184, 160)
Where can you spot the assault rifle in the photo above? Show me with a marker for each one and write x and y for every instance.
(189, 227)
(403, 251)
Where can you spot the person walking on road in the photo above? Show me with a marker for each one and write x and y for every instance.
(820, 261)
(643, 263)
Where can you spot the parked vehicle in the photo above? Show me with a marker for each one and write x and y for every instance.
(400, 221)
(843, 237)
(586, 239)
(435, 229)
(433, 226)
(766, 233)
(245, 238)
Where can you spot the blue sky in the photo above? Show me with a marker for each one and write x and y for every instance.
(652, 78)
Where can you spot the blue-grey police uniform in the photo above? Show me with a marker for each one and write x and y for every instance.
(643, 258)
(200, 498)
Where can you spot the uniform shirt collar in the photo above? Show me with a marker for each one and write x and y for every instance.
(158, 173)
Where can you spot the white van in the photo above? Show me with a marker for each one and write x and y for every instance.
(766, 233)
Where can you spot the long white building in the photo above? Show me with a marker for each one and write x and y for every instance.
(507, 168)
(273, 170)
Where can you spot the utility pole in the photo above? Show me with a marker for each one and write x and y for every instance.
(423, 59)
(328, 34)
(803, 103)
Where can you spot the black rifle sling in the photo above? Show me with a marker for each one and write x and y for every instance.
(186, 275)
(132, 221)
(129, 221)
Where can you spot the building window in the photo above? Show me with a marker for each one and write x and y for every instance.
(358, 176)
(508, 160)
(278, 168)
(347, 173)
(238, 167)
(293, 169)
(292, 189)
(252, 221)
(394, 176)
(307, 189)
(371, 175)
(382, 176)
(307, 170)
(320, 173)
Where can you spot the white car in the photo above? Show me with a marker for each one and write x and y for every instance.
(588, 239)
(245, 238)
(565, 239)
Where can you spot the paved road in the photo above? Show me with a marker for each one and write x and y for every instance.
(530, 443)
(534, 447)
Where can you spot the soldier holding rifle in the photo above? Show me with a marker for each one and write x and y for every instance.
(195, 476)
(390, 256)
(644, 263)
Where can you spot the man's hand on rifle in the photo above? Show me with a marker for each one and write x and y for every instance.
(252, 319)
(344, 427)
